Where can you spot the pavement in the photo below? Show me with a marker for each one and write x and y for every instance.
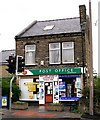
(39, 112)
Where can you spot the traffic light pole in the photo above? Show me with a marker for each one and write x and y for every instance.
(10, 96)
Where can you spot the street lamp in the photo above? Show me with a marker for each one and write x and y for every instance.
(83, 27)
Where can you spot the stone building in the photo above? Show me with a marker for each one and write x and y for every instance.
(4, 55)
(57, 59)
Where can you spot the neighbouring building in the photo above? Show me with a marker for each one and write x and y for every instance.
(4, 55)
(57, 59)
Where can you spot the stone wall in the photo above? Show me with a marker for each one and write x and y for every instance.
(3, 71)
(42, 48)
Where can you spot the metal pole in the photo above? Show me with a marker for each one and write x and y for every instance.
(91, 111)
(10, 96)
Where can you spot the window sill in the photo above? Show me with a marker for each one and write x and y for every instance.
(54, 63)
(31, 64)
(68, 63)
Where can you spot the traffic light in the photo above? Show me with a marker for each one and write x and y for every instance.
(11, 64)
(20, 64)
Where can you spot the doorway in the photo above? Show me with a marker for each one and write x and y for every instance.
(48, 92)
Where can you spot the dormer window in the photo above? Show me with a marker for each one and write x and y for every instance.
(48, 27)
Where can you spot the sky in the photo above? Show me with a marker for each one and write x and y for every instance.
(15, 15)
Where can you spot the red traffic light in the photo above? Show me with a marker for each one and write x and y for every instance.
(20, 64)
(11, 64)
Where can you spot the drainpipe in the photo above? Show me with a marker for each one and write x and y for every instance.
(83, 27)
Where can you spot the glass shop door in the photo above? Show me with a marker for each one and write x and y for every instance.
(48, 92)
(69, 91)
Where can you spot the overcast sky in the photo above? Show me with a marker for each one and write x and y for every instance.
(15, 15)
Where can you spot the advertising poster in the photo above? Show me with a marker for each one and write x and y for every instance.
(4, 101)
(41, 92)
(56, 93)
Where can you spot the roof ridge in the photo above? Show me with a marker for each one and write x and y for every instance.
(8, 50)
(58, 19)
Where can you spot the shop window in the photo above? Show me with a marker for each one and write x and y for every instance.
(36, 91)
(29, 89)
(67, 88)
(62, 89)
(30, 54)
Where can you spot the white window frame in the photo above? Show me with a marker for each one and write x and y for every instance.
(54, 49)
(68, 48)
(27, 51)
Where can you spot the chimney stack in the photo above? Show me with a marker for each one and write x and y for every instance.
(82, 11)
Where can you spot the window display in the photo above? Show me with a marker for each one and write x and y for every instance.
(55, 92)
(48, 88)
(67, 90)
(62, 89)
(69, 87)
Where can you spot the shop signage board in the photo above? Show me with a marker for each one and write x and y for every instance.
(4, 100)
(53, 71)
(69, 98)
(69, 76)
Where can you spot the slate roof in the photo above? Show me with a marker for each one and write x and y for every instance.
(4, 54)
(68, 25)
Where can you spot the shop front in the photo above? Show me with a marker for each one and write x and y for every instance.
(51, 85)
(70, 87)
(29, 86)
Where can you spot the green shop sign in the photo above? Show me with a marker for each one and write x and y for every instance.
(54, 71)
